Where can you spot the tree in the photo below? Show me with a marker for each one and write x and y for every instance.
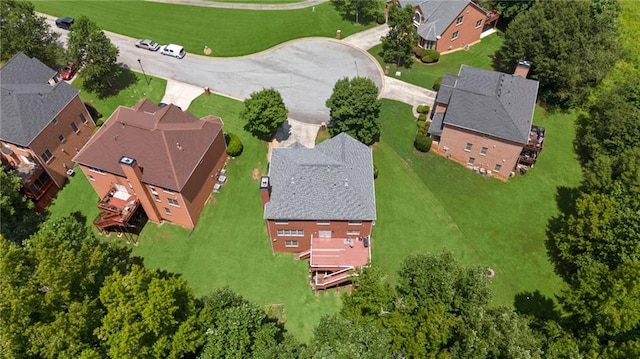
(584, 47)
(354, 109)
(19, 220)
(264, 111)
(397, 45)
(148, 314)
(508, 9)
(338, 338)
(358, 9)
(22, 30)
(92, 51)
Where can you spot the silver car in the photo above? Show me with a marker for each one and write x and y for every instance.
(147, 44)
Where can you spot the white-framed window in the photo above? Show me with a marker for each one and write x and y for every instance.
(173, 202)
(471, 160)
(167, 191)
(291, 232)
(468, 147)
(282, 221)
(157, 198)
(454, 35)
(417, 17)
(61, 138)
(46, 155)
(355, 223)
(96, 170)
(483, 150)
(291, 243)
(83, 118)
(497, 168)
(167, 211)
(323, 223)
(353, 233)
(459, 20)
(91, 178)
(54, 121)
(153, 190)
(74, 127)
(479, 23)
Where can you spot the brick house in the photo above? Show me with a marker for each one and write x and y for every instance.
(43, 123)
(319, 203)
(483, 120)
(448, 25)
(152, 162)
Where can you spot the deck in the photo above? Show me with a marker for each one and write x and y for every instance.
(332, 254)
(117, 209)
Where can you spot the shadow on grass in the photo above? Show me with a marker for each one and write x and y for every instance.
(556, 227)
(536, 305)
(119, 79)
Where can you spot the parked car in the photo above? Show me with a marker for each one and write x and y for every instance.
(147, 44)
(173, 50)
(67, 72)
(64, 22)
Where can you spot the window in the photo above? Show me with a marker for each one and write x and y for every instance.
(61, 138)
(454, 35)
(497, 168)
(483, 151)
(417, 17)
(471, 160)
(291, 232)
(83, 119)
(479, 23)
(153, 190)
(91, 178)
(282, 221)
(74, 127)
(167, 211)
(173, 202)
(355, 223)
(157, 198)
(96, 170)
(468, 147)
(290, 243)
(353, 233)
(46, 156)
(323, 223)
(459, 20)
(54, 121)
(167, 191)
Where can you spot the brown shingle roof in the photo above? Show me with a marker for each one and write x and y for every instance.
(166, 142)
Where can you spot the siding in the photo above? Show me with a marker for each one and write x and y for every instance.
(311, 228)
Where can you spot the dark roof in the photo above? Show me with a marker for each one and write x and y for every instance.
(490, 102)
(333, 181)
(166, 142)
(438, 15)
(28, 102)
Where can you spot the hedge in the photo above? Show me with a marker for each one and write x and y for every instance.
(423, 109)
(430, 56)
(234, 145)
(422, 143)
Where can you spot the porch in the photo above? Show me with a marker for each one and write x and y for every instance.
(119, 213)
(532, 149)
(332, 261)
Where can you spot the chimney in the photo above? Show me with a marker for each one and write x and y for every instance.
(522, 69)
(133, 173)
(265, 190)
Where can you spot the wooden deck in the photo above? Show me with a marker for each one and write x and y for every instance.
(332, 254)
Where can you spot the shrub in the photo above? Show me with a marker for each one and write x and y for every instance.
(418, 51)
(375, 172)
(423, 128)
(422, 117)
(436, 83)
(423, 109)
(234, 145)
(380, 19)
(422, 143)
(430, 56)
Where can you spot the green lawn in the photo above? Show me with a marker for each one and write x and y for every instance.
(427, 203)
(423, 75)
(227, 32)
(259, 1)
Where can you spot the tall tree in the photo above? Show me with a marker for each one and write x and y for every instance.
(358, 9)
(264, 111)
(92, 51)
(22, 30)
(338, 338)
(572, 46)
(354, 109)
(397, 45)
(508, 9)
(19, 220)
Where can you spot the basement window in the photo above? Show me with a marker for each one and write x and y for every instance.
(291, 244)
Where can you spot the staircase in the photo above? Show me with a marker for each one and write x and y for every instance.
(333, 279)
(304, 255)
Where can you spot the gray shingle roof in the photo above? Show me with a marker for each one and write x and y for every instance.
(27, 102)
(333, 181)
(491, 103)
(438, 15)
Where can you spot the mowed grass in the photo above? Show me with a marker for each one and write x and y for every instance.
(424, 75)
(427, 203)
(259, 1)
(228, 32)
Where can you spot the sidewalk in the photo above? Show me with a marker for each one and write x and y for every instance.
(245, 6)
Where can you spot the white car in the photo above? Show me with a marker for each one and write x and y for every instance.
(174, 50)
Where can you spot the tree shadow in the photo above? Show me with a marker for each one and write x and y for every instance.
(283, 133)
(566, 201)
(81, 218)
(536, 305)
(119, 79)
(93, 112)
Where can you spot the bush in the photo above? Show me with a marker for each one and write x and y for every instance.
(423, 127)
(422, 117)
(234, 145)
(423, 109)
(418, 51)
(422, 143)
(436, 83)
(380, 19)
(430, 56)
(375, 172)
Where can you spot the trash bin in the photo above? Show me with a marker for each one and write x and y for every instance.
(338, 34)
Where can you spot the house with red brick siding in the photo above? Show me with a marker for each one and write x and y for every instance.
(43, 123)
(319, 203)
(483, 120)
(155, 163)
(448, 25)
